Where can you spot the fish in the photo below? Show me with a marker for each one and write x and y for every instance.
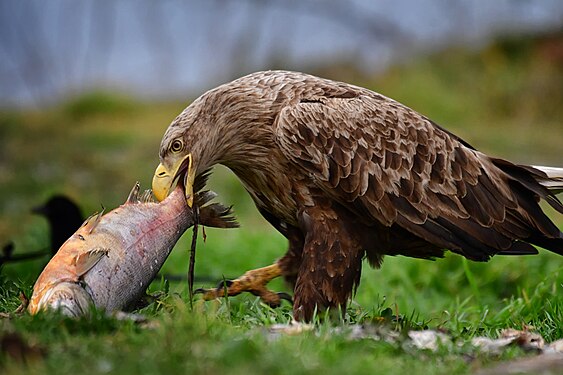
(109, 262)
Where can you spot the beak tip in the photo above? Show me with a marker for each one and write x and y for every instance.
(161, 182)
(160, 191)
(159, 197)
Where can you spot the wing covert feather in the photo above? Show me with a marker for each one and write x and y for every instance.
(376, 156)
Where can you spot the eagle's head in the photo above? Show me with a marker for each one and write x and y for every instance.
(182, 151)
(230, 125)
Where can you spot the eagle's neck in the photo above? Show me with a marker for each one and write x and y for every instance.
(244, 142)
(241, 135)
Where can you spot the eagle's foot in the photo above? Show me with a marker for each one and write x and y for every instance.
(253, 281)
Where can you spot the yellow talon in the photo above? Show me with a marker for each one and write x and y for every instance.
(253, 281)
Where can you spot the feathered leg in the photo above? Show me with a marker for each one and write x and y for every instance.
(331, 261)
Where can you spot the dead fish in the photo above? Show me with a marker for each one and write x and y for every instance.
(110, 261)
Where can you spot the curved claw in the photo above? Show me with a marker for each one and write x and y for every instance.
(285, 296)
(209, 294)
(274, 299)
(222, 289)
(224, 284)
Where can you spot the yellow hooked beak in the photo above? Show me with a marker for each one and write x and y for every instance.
(164, 179)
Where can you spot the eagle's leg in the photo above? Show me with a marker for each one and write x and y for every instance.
(331, 261)
(253, 281)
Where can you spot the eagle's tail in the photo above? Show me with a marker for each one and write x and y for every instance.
(553, 180)
(534, 183)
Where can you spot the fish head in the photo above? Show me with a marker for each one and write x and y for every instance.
(68, 298)
(59, 286)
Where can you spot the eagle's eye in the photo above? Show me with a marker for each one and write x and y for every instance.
(177, 146)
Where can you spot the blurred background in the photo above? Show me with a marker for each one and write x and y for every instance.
(170, 49)
(88, 87)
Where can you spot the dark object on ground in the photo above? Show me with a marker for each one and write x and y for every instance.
(8, 254)
(16, 348)
(64, 219)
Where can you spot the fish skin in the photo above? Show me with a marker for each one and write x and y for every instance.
(110, 261)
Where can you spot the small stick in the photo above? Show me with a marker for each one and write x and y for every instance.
(192, 256)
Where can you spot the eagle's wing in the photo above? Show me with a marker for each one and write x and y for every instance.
(386, 162)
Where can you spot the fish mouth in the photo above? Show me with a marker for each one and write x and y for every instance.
(165, 178)
(68, 298)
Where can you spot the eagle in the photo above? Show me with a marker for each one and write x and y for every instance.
(345, 173)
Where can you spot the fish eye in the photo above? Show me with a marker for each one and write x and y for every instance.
(177, 145)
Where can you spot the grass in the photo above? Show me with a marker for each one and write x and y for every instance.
(506, 100)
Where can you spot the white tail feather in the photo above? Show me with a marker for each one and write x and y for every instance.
(554, 182)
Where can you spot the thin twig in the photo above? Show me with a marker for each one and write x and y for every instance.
(192, 256)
